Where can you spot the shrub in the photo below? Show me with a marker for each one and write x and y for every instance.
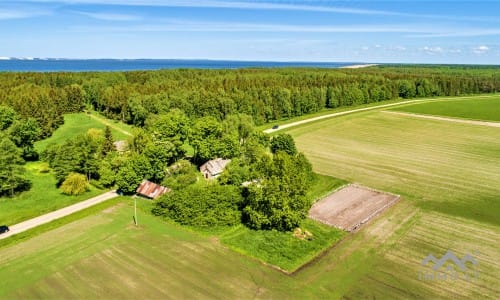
(74, 184)
(202, 205)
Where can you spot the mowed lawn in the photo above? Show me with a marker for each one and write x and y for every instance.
(487, 109)
(448, 175)
(79, 123)
(43, 197)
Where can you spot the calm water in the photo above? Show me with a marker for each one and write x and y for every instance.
(38, 65)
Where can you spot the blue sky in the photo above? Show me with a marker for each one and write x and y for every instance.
(361, 31)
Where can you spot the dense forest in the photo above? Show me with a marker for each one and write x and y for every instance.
(264, 94)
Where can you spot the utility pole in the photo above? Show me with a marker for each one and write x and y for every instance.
(135, 211)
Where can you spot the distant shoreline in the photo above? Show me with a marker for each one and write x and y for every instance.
(359, 66)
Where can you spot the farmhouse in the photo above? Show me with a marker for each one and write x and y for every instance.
(151, 190)
(213, 168)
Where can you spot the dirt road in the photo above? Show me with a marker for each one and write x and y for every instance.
(109, 124)
(463, 121)
(32, 223)
(284, 126)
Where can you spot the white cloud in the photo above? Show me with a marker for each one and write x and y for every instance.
(460, 32)
(396, 48)
(9, 14)
(480, 49)
(260, 5)
(266, 5)
(432, 50)
(109, 16)
(190, 26)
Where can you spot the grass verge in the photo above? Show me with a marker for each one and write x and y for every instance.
(282, 249)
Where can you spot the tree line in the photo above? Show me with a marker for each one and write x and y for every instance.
(264, 94)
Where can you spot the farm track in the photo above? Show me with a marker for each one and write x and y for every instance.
(438, 118)
(342, 113)
(106, 123)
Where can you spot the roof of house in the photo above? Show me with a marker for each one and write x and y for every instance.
(151, 190)
(121, 146)
(215, 166)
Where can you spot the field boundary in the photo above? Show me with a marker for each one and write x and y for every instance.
(446, 119)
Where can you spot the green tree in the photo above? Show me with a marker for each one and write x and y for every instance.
(7, 116)
(108, 143)
(107, 175)
(128, 180)
(196, 205)
(24, 133)
(181, 175)
(12, 178)
(278, 199)
(134, 170)
(283, 142)
(74, 184)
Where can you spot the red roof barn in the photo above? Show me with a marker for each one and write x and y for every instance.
(151, 190)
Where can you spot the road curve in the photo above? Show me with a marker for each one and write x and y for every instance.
(284, 126)
(63, 212)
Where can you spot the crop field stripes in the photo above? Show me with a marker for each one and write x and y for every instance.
(436, 233)
(445, 119)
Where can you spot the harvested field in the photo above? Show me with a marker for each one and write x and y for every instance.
(351, 207)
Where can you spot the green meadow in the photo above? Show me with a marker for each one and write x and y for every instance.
(487, 109)
(44, 197)
(79, 123)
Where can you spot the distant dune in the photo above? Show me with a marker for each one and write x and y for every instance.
(359, 66)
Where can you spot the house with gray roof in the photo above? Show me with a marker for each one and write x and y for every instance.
(213, 168)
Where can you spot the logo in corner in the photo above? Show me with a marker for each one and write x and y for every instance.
(448, 267)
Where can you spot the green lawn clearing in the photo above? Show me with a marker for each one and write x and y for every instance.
(80, 123)
(43, 197)
(486, 109)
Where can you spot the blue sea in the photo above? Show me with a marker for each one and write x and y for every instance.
(83, 65)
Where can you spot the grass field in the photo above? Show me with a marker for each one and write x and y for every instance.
(105, 256)
(75, 124)
(476, 109)
(43, 197)
(447, 174)
(441, 166)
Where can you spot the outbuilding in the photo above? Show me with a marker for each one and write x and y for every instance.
(151, 190)
(213, 168)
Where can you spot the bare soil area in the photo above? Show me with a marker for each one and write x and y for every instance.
(351, 207)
